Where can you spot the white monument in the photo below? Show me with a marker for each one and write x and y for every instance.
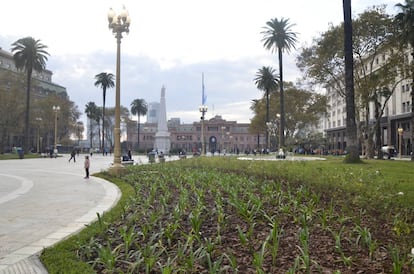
(162, 136)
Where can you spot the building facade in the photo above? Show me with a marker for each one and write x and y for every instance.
(42, 86)
(397, 114)
(153, 112)
(220, 136)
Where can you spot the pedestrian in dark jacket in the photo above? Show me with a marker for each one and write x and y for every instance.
(72, 156)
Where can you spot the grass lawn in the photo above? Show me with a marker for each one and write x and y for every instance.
(10, 156)
(223, 215)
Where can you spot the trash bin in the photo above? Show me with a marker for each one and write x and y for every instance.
(281, 154)
(151, 157)
(161, 158)
(21, 153)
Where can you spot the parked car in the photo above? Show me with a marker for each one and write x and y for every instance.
(389, 151)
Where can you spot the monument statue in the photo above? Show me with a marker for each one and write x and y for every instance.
(162, 136)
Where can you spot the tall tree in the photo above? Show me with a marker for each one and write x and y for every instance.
(266, 81)
(279, 37)
(373, 40)
(139, 107)
(405, 20)
(303, 110)
(29, 54)
(91, 111)
(79, 129)
(104, 80)
(11, 110)
(351, 128)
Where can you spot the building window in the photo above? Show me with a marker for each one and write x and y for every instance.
(152, 113)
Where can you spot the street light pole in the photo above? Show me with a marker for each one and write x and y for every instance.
(55, 109)
(222, 137)
(119, 24)
(400, 133)
(203, 110)
(38, 119)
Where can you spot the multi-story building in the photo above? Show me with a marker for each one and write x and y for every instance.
(219, 136)
(397, 114)
(42, 86)
(153, 111)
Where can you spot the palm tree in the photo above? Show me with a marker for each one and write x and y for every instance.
(405, 20)
(91, 111)
(351, 128)
(267, 81)
(279, 37)
(104, 80)
(29, 54)
(139, 107)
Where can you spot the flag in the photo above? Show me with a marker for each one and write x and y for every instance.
(203, 95)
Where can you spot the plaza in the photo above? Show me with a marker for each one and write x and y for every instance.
(44, 201)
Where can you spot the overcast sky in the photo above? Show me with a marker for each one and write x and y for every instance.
(171, 43)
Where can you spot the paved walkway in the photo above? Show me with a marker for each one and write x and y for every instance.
(43, 201)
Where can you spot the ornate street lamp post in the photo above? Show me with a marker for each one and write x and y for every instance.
(119, 24)
(203, 110)
(55, 109)
(39, 120)
(222, 137)
(271, 128)
(400, 134)
(228, 141)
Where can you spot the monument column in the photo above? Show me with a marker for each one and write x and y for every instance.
(162, 136)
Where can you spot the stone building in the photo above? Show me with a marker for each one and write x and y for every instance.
(397, 113)
(220, 136)
(42, 86)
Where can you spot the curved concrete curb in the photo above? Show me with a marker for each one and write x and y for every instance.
(26, 260)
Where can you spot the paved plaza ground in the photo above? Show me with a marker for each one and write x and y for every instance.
(43, 201)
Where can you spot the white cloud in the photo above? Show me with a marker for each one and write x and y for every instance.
(170, 43)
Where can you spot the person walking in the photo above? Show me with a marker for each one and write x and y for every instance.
(72, 156)
(86, 165)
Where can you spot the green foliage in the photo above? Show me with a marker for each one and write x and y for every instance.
(211, 215)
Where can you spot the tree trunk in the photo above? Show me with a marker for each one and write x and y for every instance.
(368, 136)
(90, 133)
(282, 102)
(99, 133)
(351, 129)
(267, 119)
(138, 132)
(378, 138)
(26, 138)
(103, 122)
(412, 108)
